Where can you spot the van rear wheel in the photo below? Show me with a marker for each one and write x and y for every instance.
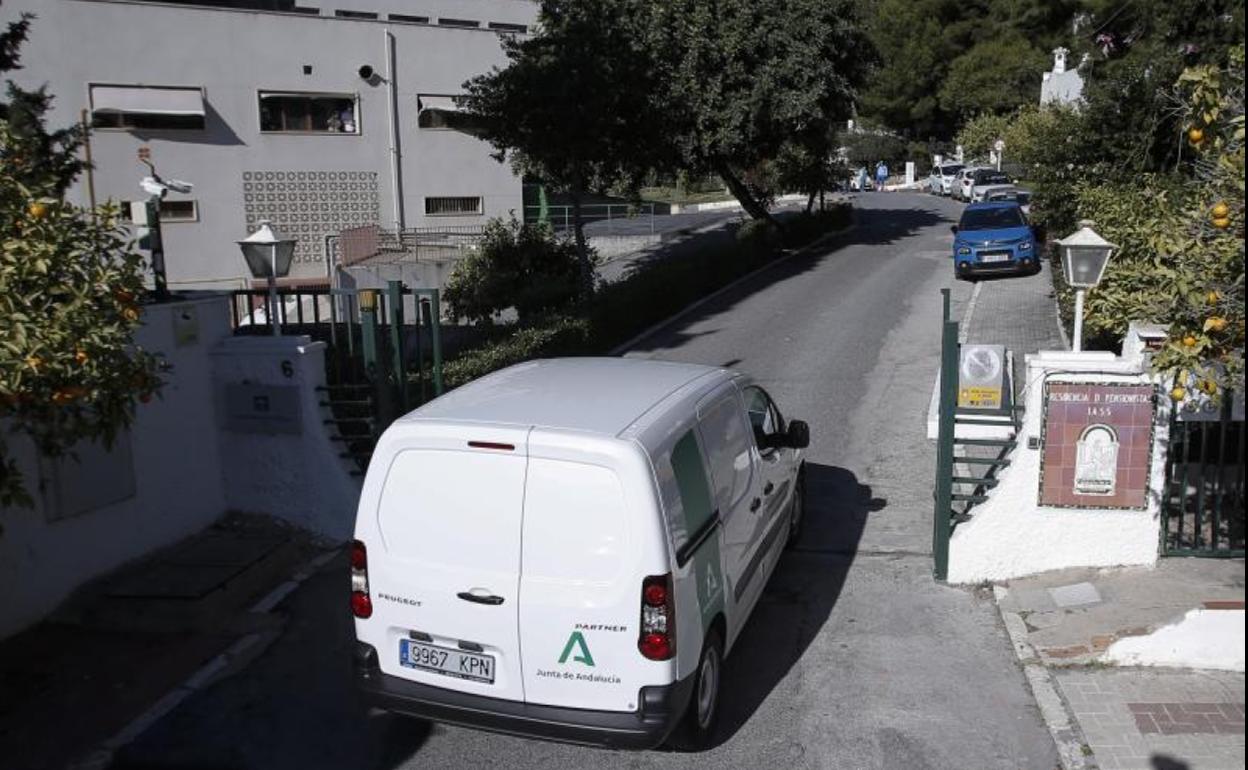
(697, 727)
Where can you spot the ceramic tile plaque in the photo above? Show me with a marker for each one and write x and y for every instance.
(1098, 445)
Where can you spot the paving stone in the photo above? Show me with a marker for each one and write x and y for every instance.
(1076, 595)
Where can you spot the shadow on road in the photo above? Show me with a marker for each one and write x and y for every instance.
(800, 595)
(873, 226)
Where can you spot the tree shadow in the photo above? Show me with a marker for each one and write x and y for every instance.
(1164, 762)
(800, 595)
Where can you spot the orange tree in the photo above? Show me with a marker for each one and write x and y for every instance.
(1181, 261)
(70, 287)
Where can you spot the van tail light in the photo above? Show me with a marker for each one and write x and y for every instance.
(361, 602)
(657, 640)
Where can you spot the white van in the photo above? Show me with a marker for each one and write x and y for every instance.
(568, 548)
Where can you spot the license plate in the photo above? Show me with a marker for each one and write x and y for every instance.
(445, 661)
(994, 257)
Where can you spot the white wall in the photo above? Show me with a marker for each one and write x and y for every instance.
(1011, 535)
(176, 484)
(232, 54)
(296, 476)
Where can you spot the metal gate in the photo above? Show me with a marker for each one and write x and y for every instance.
(966, 468)
(384, 353)
(1203, 505)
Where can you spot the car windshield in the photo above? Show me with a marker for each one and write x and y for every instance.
(992, 219)
(991, 177)
(950, 170)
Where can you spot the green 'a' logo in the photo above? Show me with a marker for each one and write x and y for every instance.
(574, 641)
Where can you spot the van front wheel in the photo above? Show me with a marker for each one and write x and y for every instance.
(698, 725)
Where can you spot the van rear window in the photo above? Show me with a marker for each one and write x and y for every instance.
(575, 523)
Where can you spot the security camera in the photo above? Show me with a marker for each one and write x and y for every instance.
(366, 72)
(153, 187)
(178, 186)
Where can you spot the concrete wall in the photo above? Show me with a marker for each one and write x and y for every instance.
(233, 54)
(162, 481)
(291, 470)
(1011, 535)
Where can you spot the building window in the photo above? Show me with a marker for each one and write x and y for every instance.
(179, 211)
(309, 113)
(463, 23)
(147, 107)
(355, 14)
(406, 19)
(306, 11)
(518, 29)
(453, 207)
(444, 112)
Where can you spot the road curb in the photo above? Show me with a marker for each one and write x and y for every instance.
(238, 654)
(1072, 748)
(624, 347)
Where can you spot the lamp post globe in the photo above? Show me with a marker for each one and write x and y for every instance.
(1085, 254)
(268, 255)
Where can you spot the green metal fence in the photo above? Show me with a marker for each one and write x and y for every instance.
(1203, 504)
(384, 353)
(957, 492)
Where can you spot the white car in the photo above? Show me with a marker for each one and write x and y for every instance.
(943, 178)
(993, 192)
(568, 549)
(960, 189)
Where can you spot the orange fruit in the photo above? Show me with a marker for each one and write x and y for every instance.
(1189, 341)
(1195, 135)
(1221, 210)
(81, 356)
(1209, 386)
(1217, 323)
(37, 210)
(130, 313)
(1222, 223)
(123, 296)
(34, 362)
(1177, 393)
(1213, 297)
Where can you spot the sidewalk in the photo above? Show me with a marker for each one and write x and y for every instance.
(1074, 629)
(126, 648)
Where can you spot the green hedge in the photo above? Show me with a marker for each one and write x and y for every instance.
(623, 309)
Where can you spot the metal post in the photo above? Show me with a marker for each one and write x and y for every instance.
(398, 354)
(1078, 341)
(942, 526)
(157, 247)
(435, 339)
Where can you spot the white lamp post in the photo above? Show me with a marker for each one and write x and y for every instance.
(268, 255)
(1084, 257)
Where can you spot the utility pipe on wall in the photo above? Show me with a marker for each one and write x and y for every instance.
(392, 104)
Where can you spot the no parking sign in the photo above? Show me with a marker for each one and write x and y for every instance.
(981, 377)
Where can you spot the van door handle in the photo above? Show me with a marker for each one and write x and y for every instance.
(754, 504)
(480, 598)
(767, 489)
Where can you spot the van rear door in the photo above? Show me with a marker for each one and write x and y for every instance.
(592, 533)
(444, 561)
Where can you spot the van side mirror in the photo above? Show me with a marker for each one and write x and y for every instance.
(798, 434)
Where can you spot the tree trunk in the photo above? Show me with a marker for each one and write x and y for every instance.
(742, 194)
(810, 203)
(821, 208)
(582, 248)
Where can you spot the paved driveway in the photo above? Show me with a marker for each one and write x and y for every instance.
(854, 657)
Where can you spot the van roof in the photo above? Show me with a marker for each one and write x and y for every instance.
(598, 395)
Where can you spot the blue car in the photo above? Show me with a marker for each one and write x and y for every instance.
(994, 237)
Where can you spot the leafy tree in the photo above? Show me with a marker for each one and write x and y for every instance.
(740, 80)
(69, 292)
(978, 135)
(516, 265)
(995, 76)
(572, 107)
(865, 148)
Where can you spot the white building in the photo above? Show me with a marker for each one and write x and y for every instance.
(320, 116)
(1061, 85)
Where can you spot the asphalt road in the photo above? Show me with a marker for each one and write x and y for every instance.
(854, 657)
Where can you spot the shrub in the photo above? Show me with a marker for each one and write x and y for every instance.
(516, 265)
(556, 336)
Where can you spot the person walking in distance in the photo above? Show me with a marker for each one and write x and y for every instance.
(881, 176)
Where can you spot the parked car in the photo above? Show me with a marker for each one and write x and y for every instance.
(982, 177)
(994, 237)
(1008, 193)
(960, 187)
(942, 178)
(982, 190)
(569, 548)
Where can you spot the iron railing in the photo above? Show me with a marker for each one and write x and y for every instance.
(599, 218)
(1203, 504)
